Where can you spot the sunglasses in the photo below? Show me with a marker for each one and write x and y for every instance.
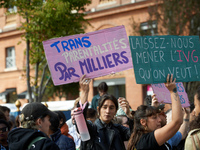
(4, 129)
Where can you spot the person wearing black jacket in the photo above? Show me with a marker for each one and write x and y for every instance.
(104, 134)
(35, 127)
(63, 142)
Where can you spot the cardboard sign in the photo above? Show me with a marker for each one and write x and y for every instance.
(95, 54)
(154, 57)
(163, 94)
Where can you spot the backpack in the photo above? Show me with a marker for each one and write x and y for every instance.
(34, 141)
(193, 140)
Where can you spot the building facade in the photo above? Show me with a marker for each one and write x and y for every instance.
(101, 14)
(110, 13)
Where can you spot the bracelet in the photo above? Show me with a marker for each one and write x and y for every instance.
(175, 90)
(186, 120)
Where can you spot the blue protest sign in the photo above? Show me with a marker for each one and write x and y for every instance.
(154, 57)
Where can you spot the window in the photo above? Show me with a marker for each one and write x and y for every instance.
(10, 57)
(103, 3)
(149, 28)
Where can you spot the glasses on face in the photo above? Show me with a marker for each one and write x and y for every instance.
(4, 129)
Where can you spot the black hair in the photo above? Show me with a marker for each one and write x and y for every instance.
(107, 97)
(5, 123)
(61, 115)
(91, 113)
(103, 87)
(198, 93)
(55, 122)
(148, 99)
(195, 124)
(4, 109)
(2, 115)
(142, 112)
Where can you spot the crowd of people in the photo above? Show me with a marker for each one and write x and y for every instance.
(110, 122)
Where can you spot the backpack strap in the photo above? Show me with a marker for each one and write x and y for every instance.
(35, 140)
(197, 138)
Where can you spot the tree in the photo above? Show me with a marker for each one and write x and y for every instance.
(175, 17)
(43, 21)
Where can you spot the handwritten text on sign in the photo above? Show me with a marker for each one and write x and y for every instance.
(163, 94)
(95, 54)
(156, 56)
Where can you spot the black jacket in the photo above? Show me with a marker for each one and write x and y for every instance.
(20, 138)
(63, 142)
(106, 137)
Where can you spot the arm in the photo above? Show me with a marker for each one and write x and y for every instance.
(154, 101)
(125, 106)
(84, 88)
(185, 126)
(170, 129)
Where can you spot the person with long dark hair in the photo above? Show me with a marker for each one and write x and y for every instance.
(147, 132)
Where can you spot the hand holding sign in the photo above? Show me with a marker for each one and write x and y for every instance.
(154, 101)
(95, 54)
(170, 85)
(163, 95)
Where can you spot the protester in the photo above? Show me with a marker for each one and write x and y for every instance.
(69, 122)
(35, 127)
(124, 121)
(103, 133)
(193, 139)
(147, 133)
(196, 110)
(73, 132)
(72, 127)
(63, 142)
(4, 129)
(6, 111)
(176, 141)
(102, 89)
(63, 126)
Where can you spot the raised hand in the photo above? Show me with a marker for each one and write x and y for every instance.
(154, 101)
(84, 83)
(124, 104)
(171, 85)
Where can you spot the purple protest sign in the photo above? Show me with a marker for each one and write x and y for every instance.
(163, 94)
(95, 54)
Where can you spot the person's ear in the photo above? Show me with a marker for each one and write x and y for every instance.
(143, 122)
(61, 121)
(39, 122)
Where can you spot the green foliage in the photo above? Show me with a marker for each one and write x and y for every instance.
(43, 21)
(174, 17)
(178, 17)
(62, 91)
